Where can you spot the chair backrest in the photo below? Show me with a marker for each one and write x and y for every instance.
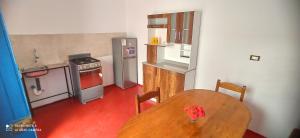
(147, 96)
(232, 87)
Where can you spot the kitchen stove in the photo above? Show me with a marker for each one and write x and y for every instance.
(87, 77)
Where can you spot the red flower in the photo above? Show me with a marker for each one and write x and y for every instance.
(194, 111)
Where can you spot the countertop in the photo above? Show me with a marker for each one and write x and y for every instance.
(49, 66)
(172, 66)
(58, 65)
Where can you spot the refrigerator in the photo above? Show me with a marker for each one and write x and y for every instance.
(125, 62)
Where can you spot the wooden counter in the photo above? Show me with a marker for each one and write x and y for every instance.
(170, 77)
(178, 67)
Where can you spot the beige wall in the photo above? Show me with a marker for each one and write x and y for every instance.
(55, 48)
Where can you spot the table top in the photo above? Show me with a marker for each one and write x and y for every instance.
(225, 117)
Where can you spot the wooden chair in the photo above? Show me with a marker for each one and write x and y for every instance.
(295, 133)
(141, 98)
(232, 87)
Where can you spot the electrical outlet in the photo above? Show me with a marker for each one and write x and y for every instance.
(254, 57)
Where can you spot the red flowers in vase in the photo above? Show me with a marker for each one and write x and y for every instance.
(194, 112)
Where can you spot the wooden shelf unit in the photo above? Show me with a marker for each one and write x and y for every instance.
(167, 25)
(166, 77)
(160, 45)
(177, 24)
(151, 54)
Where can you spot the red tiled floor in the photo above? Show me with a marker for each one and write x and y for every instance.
(99, 118)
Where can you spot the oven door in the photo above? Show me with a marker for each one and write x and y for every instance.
(90, 78)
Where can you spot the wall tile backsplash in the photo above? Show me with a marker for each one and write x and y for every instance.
(55, 48)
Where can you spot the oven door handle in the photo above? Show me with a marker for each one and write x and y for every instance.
(83, 71)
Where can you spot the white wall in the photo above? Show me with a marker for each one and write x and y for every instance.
(231, 31)
(64, 16)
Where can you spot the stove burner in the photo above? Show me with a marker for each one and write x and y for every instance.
(84, 60)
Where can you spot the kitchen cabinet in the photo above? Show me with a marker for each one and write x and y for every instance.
(151, 54)
(169, 82)
(179, 26)
(169, 66)
(182, 27)
(176, 27)
(160, 21)
(149, 74)
(174, 35)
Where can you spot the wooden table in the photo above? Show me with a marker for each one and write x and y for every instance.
(226, 117)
